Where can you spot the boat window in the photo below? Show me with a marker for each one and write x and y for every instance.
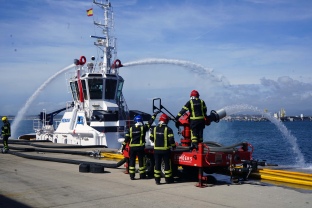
(110, 89)
(84, 88)
(95, 88)
(119, 90)
(80, 120)
(74, 90)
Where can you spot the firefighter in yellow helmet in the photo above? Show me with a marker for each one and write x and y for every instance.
(6, 133)
(198, 112)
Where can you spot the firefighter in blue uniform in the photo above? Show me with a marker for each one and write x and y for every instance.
(6, 133)
(135, 136)
(198, 112)
(163, 138)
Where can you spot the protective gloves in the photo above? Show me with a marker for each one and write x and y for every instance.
(156, 112)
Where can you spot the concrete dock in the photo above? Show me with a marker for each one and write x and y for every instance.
(35, 183)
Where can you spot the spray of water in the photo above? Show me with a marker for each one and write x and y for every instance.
(196, 68)
(193, 67)
(30, 100)
(281, 127)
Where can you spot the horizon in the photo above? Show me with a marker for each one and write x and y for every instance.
(234, 114)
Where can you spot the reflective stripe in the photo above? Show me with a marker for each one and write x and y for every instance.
(193, 137)
(168, 173)
(165, 147)
(185, 108)
(157, 173)
(131, 170)
(141, 136)
(6, 130)
(142, 170)
(193, 117)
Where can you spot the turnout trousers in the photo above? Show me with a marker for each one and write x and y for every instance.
(197, 130)
(162, 155)
(137, 152)
(5, 142)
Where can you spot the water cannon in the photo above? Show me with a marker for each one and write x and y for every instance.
(215, 116)
(76, 62)
(81, 61)
(117, 64)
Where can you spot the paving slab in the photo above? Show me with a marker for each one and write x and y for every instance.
(35, 183)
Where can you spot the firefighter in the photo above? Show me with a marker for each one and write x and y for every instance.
(135, 136)
(198, 112)
(163, 138)
(6, 133)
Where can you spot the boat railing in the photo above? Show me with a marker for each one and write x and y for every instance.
(90, 67)
(69, 105)
(37, 125)
(56, 123)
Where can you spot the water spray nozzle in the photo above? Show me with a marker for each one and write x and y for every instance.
(215, 116)
(76, 62)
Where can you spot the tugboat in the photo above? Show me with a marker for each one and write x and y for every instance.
(98, 114)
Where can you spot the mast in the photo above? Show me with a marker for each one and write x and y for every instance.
(107, 42)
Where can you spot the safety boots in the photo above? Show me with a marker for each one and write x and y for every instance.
(194, 146)
(4, 150)
(142, 176)
(157, 181)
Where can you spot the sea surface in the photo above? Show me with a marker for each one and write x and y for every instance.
(286, 144)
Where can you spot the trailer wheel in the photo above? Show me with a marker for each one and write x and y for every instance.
(96, 168)
(84, 168)
(150, 163)
(174, 169)
(162, 169)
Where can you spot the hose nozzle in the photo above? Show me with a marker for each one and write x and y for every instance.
(215, 116)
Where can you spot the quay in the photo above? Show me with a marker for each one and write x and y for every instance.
(26, 183)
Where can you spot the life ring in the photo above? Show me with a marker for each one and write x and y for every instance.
(117, 64)
(82, 60)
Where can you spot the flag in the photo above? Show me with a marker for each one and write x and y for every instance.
(90, 12)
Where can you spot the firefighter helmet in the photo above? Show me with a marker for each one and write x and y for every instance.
(194, 93)
(4, 118)
(138, 118)
(164, 118)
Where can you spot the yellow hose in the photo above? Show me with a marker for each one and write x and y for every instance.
(286, 176)
(112, 155)
(286, 180)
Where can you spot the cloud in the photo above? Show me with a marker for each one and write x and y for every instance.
(251, 45)
(285, 92)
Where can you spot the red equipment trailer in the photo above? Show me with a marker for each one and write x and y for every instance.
(210, 157)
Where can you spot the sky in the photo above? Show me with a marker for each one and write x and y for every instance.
(234, 52)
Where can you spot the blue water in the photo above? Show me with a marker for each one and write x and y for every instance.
(268, 141)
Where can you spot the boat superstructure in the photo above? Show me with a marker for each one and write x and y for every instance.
(98, 114)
